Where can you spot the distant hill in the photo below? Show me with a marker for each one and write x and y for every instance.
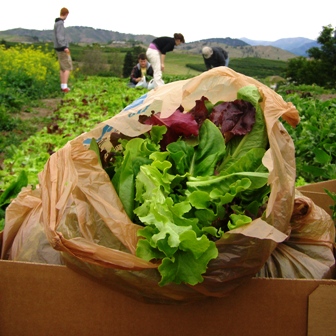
(302, 50)
(227, 40)
(83, 35)
(237, 48)
(295, 45)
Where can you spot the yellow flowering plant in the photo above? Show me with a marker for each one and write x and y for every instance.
(26, 73)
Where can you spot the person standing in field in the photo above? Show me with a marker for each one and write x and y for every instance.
(156, 54)
(61, 45)
(215, 57)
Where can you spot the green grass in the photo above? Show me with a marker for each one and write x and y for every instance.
(191, 64)
(254, 67)
(176, 64)
(258, 67)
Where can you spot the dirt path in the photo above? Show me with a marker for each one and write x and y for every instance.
(47, 108)
(325, 97)
(39, 115)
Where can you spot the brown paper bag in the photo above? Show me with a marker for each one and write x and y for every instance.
(84, 220)
(308, 252)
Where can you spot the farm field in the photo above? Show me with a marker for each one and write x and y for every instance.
(40, 120)
(177, 63)
(192, 65)
(96, 99)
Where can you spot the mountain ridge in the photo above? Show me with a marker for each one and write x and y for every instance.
(295, 45)
(87, 35)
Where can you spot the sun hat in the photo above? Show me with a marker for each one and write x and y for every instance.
(207, 52)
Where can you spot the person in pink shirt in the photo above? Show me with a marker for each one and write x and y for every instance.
(156, 54)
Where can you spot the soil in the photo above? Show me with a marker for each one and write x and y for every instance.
(45, 109)
(325, 97)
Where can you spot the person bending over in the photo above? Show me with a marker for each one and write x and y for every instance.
(215, 57)
(156, 54)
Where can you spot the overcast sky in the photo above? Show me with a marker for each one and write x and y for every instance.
(261, 20)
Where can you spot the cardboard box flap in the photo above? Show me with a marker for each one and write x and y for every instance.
(321, 311)
(316, 192)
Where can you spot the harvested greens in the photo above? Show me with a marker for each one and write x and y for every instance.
(191, 178)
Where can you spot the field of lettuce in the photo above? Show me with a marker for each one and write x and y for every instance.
(92, 100)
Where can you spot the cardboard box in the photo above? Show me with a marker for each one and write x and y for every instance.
(40, 299)
(316, 192)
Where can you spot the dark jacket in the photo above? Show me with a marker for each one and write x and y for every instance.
(164, 44)
(218, 58)
(60, 41)
(136, 72)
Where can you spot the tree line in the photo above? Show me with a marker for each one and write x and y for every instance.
(320, 66)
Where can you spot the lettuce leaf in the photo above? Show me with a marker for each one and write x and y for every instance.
(187, 182)
(179, 229)
(238, 146)
(136, 153)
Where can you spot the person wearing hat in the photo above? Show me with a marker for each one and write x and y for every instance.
(215, 57)
(61, 46)
(156, 54)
